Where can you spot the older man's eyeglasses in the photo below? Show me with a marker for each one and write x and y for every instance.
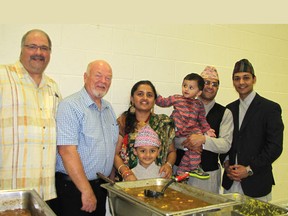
(34, 47)
(208, 83)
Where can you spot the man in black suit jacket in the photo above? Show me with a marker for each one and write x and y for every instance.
(257, 138)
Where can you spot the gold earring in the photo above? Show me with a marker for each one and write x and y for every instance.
(132, 109)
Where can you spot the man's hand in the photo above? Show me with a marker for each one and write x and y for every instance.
(89, 201)
(194, 142)
(211, 133)
(236, 172)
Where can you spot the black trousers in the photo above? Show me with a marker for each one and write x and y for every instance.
(68, 202)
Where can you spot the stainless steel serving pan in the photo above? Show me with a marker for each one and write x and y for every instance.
(123, 204)
(252, 207)
(24, 199)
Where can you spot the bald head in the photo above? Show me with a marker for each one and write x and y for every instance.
(98, 64)
(98, 78)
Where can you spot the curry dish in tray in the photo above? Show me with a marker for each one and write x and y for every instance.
(177, 200)
(16, 212)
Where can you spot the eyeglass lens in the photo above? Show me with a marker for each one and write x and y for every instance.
(36, 47)
(214, 84)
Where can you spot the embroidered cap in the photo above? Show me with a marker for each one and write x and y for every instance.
(210, 72)
(147, 137)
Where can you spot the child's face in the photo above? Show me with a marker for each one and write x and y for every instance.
(146, 154)
(190, 89)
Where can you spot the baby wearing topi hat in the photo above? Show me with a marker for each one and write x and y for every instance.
(147, 148)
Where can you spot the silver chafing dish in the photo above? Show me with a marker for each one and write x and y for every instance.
(123, 204)
(282, 203)
(24, 199)
(254, 207)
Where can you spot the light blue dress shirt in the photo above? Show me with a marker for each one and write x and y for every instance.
(93, 131)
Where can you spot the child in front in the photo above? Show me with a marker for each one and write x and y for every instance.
(147, 148)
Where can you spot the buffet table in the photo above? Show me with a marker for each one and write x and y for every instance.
(127, 199)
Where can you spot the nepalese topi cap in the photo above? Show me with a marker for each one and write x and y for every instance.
(147, 137)
(243, 66)
(210, 72)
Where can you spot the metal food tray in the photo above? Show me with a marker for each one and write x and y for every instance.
(282, 203)
(253, 207)
(24, 199)
(123, 204)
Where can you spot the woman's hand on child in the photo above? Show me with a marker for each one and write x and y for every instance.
(166, 171)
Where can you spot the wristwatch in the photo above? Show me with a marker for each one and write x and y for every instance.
(249, 171)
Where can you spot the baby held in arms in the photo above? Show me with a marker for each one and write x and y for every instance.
(189, 117)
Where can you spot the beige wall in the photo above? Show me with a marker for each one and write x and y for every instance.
(164, 54)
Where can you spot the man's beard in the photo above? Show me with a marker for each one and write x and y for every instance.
(99, 94)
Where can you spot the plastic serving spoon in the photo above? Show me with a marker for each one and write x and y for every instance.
(152, 193)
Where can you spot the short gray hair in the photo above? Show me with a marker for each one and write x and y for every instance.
(35, 30)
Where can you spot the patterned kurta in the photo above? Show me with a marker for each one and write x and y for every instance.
(161, 124)
(27, 131)
(188, 114)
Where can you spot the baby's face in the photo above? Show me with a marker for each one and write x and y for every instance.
(146, 154)
(190, 89)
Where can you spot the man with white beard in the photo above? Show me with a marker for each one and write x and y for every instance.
(87, 134)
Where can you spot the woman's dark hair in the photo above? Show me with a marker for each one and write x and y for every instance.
(196, 77)
(130, 123)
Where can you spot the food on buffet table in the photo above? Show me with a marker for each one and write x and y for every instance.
(252, 207)
(23, 202)
(177, 201)
(16, 212)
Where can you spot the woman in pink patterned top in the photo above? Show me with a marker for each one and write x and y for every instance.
(189, 118)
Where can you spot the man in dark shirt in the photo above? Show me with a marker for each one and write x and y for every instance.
(221, 120)
(257, 138)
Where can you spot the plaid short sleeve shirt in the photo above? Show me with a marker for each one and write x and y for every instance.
(27, 131)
